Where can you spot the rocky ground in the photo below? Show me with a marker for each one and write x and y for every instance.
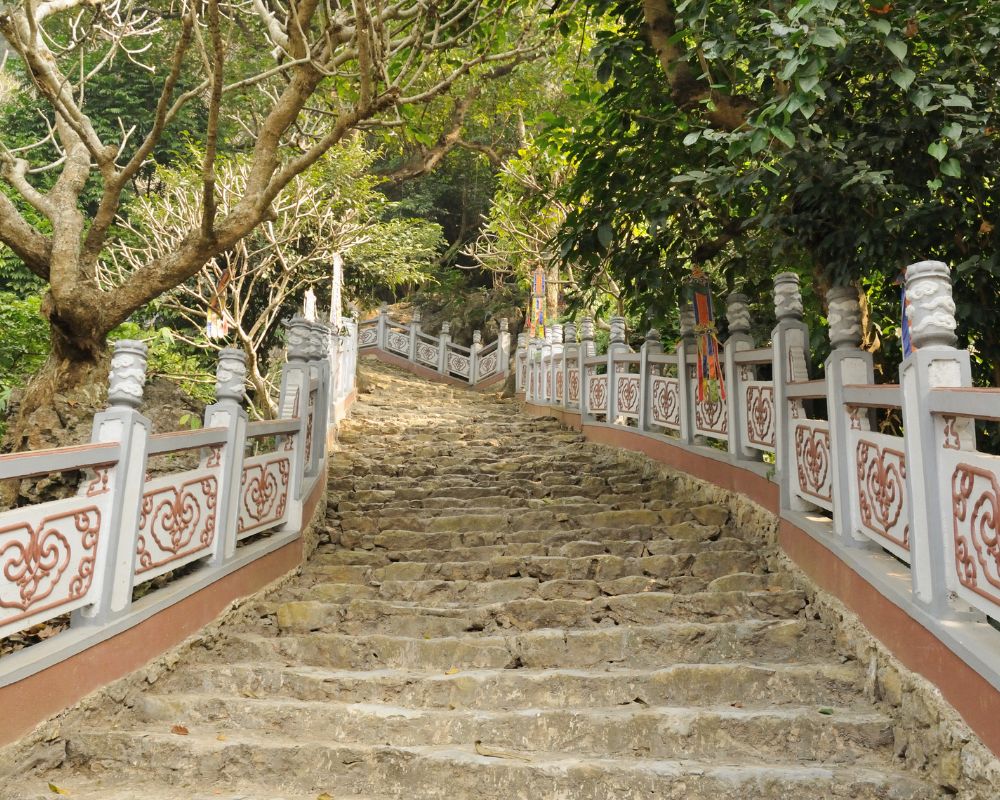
(501, 611)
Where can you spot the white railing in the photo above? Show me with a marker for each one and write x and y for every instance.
(893, 468)
(476, 364)
(84, 555)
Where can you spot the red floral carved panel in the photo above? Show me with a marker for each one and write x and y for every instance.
(263, 493)
(760, 415)
(597, 393)
(882, 501)
(976, 516)
(666, 408)
(812, 462)
(627, 396)
(176, 521)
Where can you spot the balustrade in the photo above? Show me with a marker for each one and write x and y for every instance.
(475, 365)
(893, 467)
(83, 555)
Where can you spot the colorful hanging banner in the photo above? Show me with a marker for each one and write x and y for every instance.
(538, 288)
(711, 383)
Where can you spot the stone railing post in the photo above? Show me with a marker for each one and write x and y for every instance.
(570, 350)
(616, 347)
(121, 422)
(503, 347)
(325, 371)
(790, 341)
(738, 317)
(414, 330)
(444, 339)
(847, 364)
(521, 357)
(555, 365)
(228, 412)
(686, 349)
(477, 345)
(294, 402)
(653, 345)
(382, 329)
(587, 349)
(935, 363)
(545, 371)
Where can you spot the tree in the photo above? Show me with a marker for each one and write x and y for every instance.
(324, 213)
(839, 138)
(284, 83)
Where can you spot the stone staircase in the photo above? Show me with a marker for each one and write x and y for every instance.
(501, 611)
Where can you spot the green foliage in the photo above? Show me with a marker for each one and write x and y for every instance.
(24, 342)
(869, 141)
(174, 359)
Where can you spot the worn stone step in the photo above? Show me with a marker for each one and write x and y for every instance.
(635, 646)
(570, 544)
(795, 733)
(444, 771)
(761, 686)
(134, 787)
(647, 608)
(706, 565)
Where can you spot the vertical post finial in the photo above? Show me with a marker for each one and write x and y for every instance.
(587, 329)
(231, 375)
(617, 330)
(844, 317)
(504, 325)
(738, 313)
(930, 308)
(787, 296)
(297, 344)
(569, 333)
(128, 374)
(446, 328)
(477, 337)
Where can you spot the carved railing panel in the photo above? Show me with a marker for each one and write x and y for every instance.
(573, 380)
(488, 365)
(458, 364)
(813, 470)
(711, 414)
(880, 504)
(48, 555)
(368, 337)
(177, 522)
(758, 404)
(398, 342)
(973, 528)
(263, 492)
(627, 395)
(665, 403)
(427, 354)
(597, 394)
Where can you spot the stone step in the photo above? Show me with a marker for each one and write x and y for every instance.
(635, 646)
(393, 541)
(796, 734)
(569, 544)
(762, 686)
(449, 771)
(706, 566)
(649, 608)
(453, 593)
(134, 787)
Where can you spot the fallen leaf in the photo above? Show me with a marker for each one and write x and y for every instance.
(221, 737)
(453, 671)
(56, 790)
(180, 730)
(736, 705)
(483, 750)
(826, 711)
(325, 796)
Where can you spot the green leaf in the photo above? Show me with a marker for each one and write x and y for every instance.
(827, 37)
(605, 235)
(783, 135)
(897, 46)
(807, 83)
(691, 138)
(882, 26)
(951, 168)
(953, 131)
(922, 98)
(938, 149)
(903, 77)
(957, 101)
